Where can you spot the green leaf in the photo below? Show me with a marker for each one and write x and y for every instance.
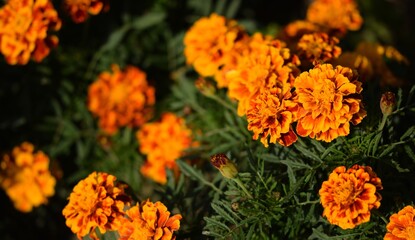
(148, 20)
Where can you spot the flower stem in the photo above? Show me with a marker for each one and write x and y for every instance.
(242, 186)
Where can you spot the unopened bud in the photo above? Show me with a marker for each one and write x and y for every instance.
(387, 103)
(226, 167)
(205, 87)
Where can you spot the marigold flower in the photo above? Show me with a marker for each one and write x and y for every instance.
(95, 202)
(163, 142)
(210, 42)
(121, 98)
(318, 47)
(349, 196)
(298, 28)
(149, 220)
(329, 99)
(26, 178)
(24, 30)
(401, 225)
(339, 15)
(79, 10)
(387, 103)
(226, 167)
(358, 62)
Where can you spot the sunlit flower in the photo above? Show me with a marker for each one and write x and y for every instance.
(79, 10)
(318, 47)
(149, 220)
(266, 66)
(26, 178)
(338, 15)
(121, 98)
(210, 44)
(95, 202)
(358, 62)
(329, 100)
(163, 142)
(25, 30)
(401, 225)
(349, 196)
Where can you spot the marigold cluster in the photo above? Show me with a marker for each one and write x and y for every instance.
(401, 225)
(25, 30)
(318, 47)
(212, 46)
(26, 178)
(329, 99)
(349, 195)
(121, 98)
(337, 15)
(149, 220)
(79, 10)
(95, 202)
(163, 142)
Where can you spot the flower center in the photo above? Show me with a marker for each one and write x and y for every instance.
(22, 20)
(118, 94)
(324, 93)
(344, 194)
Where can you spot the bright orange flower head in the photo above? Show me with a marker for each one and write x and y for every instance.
(163, 142)
(329, 99)
(338, 15)
(265, 66)
(121, 98)
(25, 177)
(210, 42)
(318, 47)
(349, 195)
(95, 202)
(298, 28)
(401, 225)
(24, 30)
(79, 10)
(149, 221)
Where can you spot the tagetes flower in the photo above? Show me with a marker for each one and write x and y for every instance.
(95, 202)
(121, 98)
(318, 47)
(329, 99)
(210, 44)
(149, 220)
(348, 196)
(79, 10)
(266, 66)
(338, 15)
(358, 62)
(25, 28)
(25, 176)
(298, 28)
(163, 142)
(401, 225)
(225, 166)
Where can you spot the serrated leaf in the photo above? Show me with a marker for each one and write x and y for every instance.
(210, 222)
(223, 213)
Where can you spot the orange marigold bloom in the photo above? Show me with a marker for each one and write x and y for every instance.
(401, 225)
(149, 221)
(338, 15)
(349, 196)
(318, 47)
(24, 30)
(265, 66)
(358, 62)
(298, 28)
(95, 202)
(210, 42)
(121, 98)
(26, 178)
(79, 10)
(329, 99)
(163, 142)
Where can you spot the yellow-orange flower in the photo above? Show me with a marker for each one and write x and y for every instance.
(26, 178)
(349, 196)
(149, 220)
(338, 15)
(401, 225)
(265, 66)
(163, 142)
(318, 47)
(121, 98)
(95, 202)
(24, 30)
(79, 10)
(329, 100)
(358, 62)
(298, 28)
(210, 44)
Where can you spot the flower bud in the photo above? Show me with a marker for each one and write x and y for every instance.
(387, 103)
(226, 167)
(205, 87)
